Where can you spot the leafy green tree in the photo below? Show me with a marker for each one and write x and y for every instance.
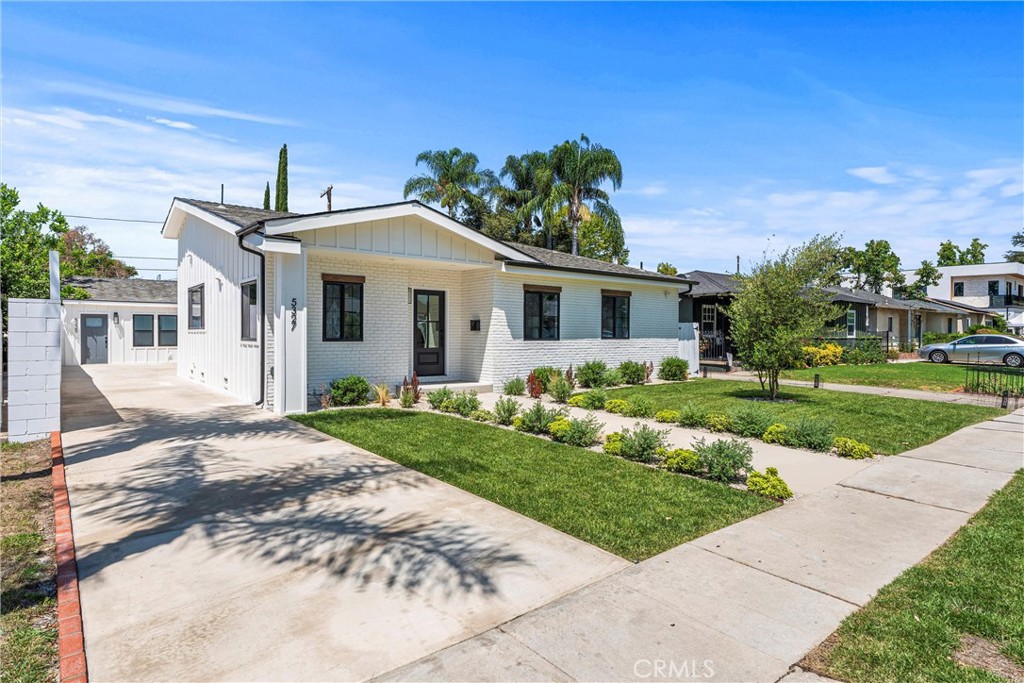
(281, 195)
(266, 197)
(927, 275)
(596, 241)
(83, 253)
(580, 169)
(950, 254)
(453, 181)
(780, 304)
(874, 266)
(1016, 255)
(530, 181)
(667, 269)
(26, 239)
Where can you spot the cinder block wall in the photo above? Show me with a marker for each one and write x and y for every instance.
(33, 369)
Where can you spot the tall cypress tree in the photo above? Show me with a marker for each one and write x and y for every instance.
(281, 198)
(266, 197)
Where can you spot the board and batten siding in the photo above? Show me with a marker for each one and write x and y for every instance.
(654, 332)
(216, 355)
(120, 337)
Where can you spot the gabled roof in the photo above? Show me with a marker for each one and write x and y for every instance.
(127, 290)
(958, 305)
(242, 216)
(712, 284)
(560, 260)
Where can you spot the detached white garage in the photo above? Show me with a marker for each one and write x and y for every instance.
(125, 320)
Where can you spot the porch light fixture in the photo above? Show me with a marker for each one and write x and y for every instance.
(117, 318)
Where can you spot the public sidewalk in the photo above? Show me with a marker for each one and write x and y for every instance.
(747, 602)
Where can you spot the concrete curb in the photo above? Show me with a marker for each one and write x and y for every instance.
(71, 637)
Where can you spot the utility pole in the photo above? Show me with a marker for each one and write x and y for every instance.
(327, 193)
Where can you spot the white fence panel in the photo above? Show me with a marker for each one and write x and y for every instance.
(689, 346)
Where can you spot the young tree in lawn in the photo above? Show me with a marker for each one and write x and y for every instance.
(780, 304)
(1016, 255)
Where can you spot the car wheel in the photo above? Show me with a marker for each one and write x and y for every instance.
(938, 357)
(1014, 360)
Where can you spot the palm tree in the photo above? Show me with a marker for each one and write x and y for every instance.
(530, 179)
(580, 169)
(451, 181)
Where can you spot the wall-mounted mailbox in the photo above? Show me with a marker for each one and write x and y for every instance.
(474, 325)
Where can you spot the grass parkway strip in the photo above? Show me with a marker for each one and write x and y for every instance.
(919, 376)
(889, 425)
(963, 604)
(623, 507)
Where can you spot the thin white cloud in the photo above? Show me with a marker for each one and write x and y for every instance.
(880, 175)
(179, 125)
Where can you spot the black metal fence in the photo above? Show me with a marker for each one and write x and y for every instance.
(993, 380)
(884, 340)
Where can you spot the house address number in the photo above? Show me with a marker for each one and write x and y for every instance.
(295, 312)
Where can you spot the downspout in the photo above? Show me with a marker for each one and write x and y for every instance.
(242, 234)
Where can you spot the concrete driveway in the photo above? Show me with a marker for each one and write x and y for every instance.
(216, 542)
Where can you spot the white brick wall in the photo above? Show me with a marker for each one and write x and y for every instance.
(33, 369)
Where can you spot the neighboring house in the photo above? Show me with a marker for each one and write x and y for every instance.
(867, 314)
(124, 320)
(997, 288)
(274, 305)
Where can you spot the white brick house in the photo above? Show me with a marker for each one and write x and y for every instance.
(383, 291)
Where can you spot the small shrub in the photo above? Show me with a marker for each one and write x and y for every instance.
(576, 400)
(769, 484)
(505, 410)
(816, 435)
(825, 354)
(482, 416)
(547, 376)
(717, 422)
(612, 377)
(383, 394)
(407, 399)
(514, 387)
(437, 397)
(616, 405)
(680, 460)
(723, 460)
(582, 432)
(591, 374)
(534, 387)
(671, 416)
(413, 386)
(640, 406)
(751, 420)
(350, 391)
(561, 390)
(692, 415)
(632, 372)
(462, 403)
(593, 399)
(848, 448)
(674, 368)
(613, 444)
(642, 443)
(536, 419)
(777, 433)
(892, 354)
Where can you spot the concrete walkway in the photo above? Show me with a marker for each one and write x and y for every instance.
(805, 471)
(747, 602)
(937, 396)
(217, 542)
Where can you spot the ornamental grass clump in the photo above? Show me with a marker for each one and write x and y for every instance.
(514, 387)
(383, 394)
(642, 443)
(692, 415)
(816, 435)
(849, 448)
(591, 374)
(751, 420)
(407, 398)
(723, 460)
(769, 484)
(505, 410)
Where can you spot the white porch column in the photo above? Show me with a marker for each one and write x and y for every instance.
(290, 341)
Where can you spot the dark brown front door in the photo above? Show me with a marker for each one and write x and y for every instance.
(428, 333)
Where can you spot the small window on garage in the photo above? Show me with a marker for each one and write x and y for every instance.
(142, 330)
(958, 289)
(167, 330)
(196, 308)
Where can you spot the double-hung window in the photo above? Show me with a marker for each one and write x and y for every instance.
(851, 322)
(343, 307)
(614, 314)
(167, 330)
(196, 308)
(250, 311)
(142, 330)
(541, 312)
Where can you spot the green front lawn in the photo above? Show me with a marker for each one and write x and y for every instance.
(888, 425)
(973, 585)
(626, 508)
(922, 376)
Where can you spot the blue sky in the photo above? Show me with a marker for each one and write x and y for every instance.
(741, 127)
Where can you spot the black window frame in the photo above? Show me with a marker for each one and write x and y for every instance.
(958, 286)
(541, 295)
(246, 303)
(160, 331)
(993, 291)
(616, 302)
(342, 312)
(201, 289)
(136, 317)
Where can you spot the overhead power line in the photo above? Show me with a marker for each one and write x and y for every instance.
(119, 220)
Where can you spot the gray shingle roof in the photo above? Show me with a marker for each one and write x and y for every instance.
(711, 284)
(564, 261)
(242, 216)
(127, 289)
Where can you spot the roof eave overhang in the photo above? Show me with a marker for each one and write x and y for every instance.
(652, 279)
(178, 215)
